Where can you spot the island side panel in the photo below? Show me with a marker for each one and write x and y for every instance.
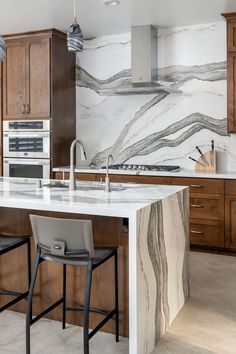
(162, 250)
(107, 231)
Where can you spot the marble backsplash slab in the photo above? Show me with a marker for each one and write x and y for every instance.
(158, 128)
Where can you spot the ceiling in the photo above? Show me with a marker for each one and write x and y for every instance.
(96, 19)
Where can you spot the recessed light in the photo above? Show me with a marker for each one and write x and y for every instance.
(111, 2)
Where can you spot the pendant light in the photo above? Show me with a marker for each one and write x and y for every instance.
(75, 36)
(2, 49)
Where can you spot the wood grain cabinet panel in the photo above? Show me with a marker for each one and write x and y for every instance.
(39, 78)
(78, 176)
(207, 206)
(138, 179)
(230, 186)
(230, 221)
(231, 95)
(231, 71)
(14, 80)
(231, 34)
(201, 185)
(207, 232)
(26, 85)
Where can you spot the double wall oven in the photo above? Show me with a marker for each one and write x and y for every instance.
(26, 148)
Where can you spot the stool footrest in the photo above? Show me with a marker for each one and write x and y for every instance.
(9, 293)
(14, 301)
(102, 323)
(91, 309)
(43, 313)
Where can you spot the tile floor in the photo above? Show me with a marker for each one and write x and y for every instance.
(206, 325)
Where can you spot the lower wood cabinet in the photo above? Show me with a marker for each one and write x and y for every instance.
(230, 221)
(207, 206)
(212, 205)
(207, 233)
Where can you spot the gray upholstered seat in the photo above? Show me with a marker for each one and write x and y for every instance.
(99, 255)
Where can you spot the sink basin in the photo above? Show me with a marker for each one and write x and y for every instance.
(58, 184)
(85, 186)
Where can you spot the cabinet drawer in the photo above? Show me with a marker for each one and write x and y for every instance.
(207, 206)
(78, 176)
(206, 232)
(201, 185)
(138, 179)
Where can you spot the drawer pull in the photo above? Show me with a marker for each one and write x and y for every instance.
(196, 186)
(197, 205)
(196, 232)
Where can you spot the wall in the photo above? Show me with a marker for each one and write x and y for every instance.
(156, 128)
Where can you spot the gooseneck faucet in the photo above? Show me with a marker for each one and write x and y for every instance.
(107, 179)
(72, 184)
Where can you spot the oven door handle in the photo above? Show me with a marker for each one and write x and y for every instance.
(25, 162)
(20, 135)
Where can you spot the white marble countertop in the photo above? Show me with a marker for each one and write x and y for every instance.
(89, 198)
(181, 173)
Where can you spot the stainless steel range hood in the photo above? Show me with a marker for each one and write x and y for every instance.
(144, 71)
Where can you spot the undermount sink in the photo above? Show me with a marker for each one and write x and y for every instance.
(85, 186)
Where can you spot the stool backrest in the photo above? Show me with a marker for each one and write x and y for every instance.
(57, 235)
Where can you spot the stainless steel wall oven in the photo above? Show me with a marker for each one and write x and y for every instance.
(26, 148)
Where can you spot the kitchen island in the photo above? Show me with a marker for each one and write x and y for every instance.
(156, 218)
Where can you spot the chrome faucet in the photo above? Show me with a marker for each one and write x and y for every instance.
(72, 184)
(107, 179)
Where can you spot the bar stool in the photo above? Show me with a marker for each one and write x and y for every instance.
(68, 241)
(7, 244)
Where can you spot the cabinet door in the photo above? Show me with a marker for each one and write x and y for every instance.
(230, 221)
(231, 36)
(231, 93)
(38, 79)
(14, 80)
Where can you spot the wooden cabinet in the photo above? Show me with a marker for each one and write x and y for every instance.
(38, 76)
(39, 82)
(230, 214)
(206, 232)
(206, 210)
(26, 78)
(231, 71)
(201, 185)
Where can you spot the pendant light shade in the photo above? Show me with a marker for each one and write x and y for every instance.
(75, 36)
(2, 49)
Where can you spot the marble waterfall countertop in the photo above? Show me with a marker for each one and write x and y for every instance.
(89, 198)
(158, 251)
(181, 173)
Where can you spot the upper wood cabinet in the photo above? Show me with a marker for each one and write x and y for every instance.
(26, 79)
(36, 72)
(231, 71)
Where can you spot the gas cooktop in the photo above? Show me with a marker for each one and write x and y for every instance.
(132, 167)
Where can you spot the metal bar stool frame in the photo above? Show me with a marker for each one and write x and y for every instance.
(23, 240)
(86, 308)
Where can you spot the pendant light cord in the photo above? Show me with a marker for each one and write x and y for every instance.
(74, 11)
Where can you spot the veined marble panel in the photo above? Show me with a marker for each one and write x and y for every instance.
(162, 267)
(158, 128)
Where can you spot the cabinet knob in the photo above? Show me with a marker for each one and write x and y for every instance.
(196, 186)
(27, 108)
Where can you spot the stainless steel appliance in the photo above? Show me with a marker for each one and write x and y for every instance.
(27, 168)
(26, 148)
(132, 167)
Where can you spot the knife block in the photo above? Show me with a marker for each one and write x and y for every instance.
(211, 167)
